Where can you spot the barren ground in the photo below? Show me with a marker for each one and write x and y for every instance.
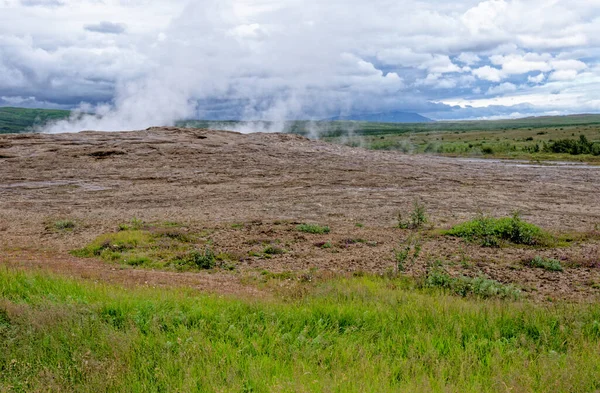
(210, 180)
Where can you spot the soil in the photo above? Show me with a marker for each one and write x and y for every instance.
(268, 184)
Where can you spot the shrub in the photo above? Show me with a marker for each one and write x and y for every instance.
(464, 286)
(418, 217)
(549, 264)
(409, 252)
(574, 147)
(273, 250)
(490, 232)
(313, 228)
(198, 259)
(64, 225)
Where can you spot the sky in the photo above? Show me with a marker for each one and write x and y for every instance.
(140, 62)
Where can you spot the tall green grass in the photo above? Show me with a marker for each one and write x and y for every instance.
(345, 335)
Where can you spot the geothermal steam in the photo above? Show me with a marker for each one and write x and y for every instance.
(271, 61)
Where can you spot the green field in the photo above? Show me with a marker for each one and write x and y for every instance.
(362, 334)
(536, 139)
(17, 120)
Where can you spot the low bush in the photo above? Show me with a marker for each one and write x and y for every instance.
(549, 264)
(64, 225)
(417, 218)
(273, 250)
(574, 147)
(408, 253)
(313, 228)
(492, 232)
(200, 259)
(464, 286)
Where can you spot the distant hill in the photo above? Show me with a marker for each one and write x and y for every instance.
(16, 120)
(386, 117)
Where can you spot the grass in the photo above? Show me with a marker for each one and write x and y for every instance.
(64, 225)
(273, 250)
(313, 229)
(494, 232)
(16, 120)
(363, 334)
(549, 264)
(540, 139)
(162, 246)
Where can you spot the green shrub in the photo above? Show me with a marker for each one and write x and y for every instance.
(418, 217)
(198, 259)
(408, 253)
(464, 286)
(549, 264)
(574, 147)
(313, 228)
(64, 225)
(273, 250)
(491, 232)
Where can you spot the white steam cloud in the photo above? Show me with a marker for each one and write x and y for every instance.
(266, 60)
(222, 48)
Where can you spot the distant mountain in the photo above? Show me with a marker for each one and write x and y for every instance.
(386, 117)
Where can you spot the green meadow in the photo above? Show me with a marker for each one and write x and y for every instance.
(356, 334)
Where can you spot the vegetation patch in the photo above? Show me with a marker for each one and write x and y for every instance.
(466, 286)
(553, 265)
(64, 225)
(197, 259)
(417, 217)
(16, 120)
(408, 253)
(574, 146)
(273, 250)
(313, 228)
(494, 232)
(152, 245)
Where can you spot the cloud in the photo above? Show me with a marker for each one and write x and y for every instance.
(106, 28)
(468, 58)
(563, 75)
(537, 79)
(505, 87)
(489, 74)
(42, 3)
(262, 59)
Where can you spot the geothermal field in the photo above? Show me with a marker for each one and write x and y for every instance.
(193, 260)
(244, 198)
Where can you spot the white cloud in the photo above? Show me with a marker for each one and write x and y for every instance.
(515, 64)
(489, 74)
(294, 57)
(537, 79)
(505, 87)
(563, 75)
(468, 58)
